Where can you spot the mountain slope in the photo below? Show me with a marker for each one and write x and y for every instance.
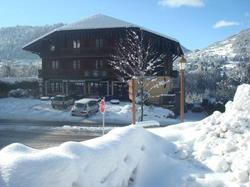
(12, 40)
(226, 53)
(185, 50)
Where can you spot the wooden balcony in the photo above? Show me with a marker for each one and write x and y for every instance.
(71, 74)
(81, 52)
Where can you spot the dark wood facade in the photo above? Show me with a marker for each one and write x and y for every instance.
(75, 62)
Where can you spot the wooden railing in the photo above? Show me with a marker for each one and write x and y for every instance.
(71, 74)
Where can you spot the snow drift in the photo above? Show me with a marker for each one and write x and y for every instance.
(111, 160)
(212, 152)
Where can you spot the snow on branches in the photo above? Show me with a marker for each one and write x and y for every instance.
(136, 56)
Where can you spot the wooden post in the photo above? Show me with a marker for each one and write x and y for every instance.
(132, 98)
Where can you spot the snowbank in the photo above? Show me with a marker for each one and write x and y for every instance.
(212, 152)
(221, 142)
(112, 160)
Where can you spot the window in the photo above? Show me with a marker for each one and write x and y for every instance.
(76, 64)
(104, 73)
(98, 64)
(101, 64)
(57, 86)
(99, 43)
(52, 48)
(120, 41)
(55, 64)
(52, 87)
(86, 73)
(95, 73)
(76, 44)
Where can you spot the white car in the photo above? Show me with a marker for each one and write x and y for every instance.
(85, 107)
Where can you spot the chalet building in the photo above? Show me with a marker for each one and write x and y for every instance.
(75, 57)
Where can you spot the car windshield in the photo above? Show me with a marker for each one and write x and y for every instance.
(80, 105)
(58, 98)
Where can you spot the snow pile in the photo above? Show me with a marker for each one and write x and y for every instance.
(112, 160)
(223, 141)
(220, 142)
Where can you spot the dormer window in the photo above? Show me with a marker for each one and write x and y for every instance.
(76, 44)
(52, 48)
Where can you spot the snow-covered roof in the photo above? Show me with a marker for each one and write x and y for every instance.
(100, 21)
(96, 22)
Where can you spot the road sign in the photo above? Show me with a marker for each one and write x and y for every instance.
(102, 110)
(102, 106)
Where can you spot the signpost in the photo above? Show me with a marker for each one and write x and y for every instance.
(131, 92)
(102, 110)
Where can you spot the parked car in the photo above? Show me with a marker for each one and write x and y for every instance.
(45, 98)
(62, 101)
(115, 101)
(18, 93)
(85, 107)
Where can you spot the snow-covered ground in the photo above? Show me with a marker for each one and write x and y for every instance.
(213, 152)
(34, 109)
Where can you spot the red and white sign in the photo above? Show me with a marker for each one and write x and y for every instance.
(102, 106)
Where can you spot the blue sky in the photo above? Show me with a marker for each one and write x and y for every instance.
(195, 23)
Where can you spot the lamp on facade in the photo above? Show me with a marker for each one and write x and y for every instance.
(182, 65)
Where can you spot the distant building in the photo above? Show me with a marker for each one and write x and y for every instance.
(75, 57)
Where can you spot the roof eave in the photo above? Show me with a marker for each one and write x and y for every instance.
(28, 45)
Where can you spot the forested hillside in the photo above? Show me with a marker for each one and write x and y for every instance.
(12, 39)
(217, 70)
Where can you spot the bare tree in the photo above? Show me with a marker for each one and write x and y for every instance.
(136, 57)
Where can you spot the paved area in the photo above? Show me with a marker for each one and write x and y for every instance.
(42, 139)
(32, 133)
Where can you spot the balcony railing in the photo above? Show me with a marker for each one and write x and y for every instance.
(86, 52)
(79, 52)
(71, 74)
